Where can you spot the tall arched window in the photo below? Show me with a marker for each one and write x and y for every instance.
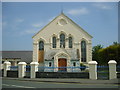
(70, 42)
(83, 51)
(62, 40)
(54, 42)
(41, 45)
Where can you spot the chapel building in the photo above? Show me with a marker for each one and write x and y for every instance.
(62, 43)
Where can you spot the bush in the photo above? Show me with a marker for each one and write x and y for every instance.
(83, 67)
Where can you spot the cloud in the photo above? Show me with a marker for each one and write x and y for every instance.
(79, 11)
(29, 31)
(41, 24)
(19, 20)
(38, 25)
(102, 6)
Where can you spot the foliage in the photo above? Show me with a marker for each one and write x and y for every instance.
(83, 66)
(103, 55)
(95, 52)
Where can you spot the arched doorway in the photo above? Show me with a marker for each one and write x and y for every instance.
(62, 59)
(62, 64)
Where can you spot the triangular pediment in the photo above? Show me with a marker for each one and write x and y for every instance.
(62, 22)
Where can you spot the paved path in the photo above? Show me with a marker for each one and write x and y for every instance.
(17, 83)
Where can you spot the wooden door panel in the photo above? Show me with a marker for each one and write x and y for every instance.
(62, 63)
(40, 56)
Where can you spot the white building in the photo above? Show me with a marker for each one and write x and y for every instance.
(62, 43)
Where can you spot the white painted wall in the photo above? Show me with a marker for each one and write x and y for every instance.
(54, 28)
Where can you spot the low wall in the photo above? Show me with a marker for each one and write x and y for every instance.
(62, 75)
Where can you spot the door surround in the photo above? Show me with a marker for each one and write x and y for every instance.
(59, 55)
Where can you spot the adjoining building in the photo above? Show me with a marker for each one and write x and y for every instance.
(17, 56)
(62, 43)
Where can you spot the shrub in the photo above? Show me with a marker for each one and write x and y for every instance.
(83, 67)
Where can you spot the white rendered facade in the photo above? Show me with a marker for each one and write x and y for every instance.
(72, 54)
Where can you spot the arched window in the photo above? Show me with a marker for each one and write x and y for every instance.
(41, 45)
(83, 51)
(70, 42)
(54, 42)
(62, 40)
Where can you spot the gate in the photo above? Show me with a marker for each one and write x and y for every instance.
(27, 73)
(13, 72)
(103, 72)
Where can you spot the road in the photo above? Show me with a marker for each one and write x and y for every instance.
(8, 83)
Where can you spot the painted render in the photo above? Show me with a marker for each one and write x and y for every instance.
(62, 24)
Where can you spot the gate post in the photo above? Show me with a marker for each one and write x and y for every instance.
(21, 69)
(34, 68)
(92, 70)
(6, 67)
(112, 69)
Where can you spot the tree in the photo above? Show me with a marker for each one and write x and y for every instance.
(95, 52)
(111, 52)
(115, 43)
(103, 55)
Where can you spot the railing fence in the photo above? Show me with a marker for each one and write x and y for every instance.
(103, 72)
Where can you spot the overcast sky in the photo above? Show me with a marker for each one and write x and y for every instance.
(22, 20)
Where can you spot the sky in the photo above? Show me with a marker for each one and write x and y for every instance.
(21, 20)
(0, 27)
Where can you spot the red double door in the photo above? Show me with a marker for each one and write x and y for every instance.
(62, 64)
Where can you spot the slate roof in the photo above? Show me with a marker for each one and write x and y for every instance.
(25, 56)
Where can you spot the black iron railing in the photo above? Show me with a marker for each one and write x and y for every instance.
(103, 72)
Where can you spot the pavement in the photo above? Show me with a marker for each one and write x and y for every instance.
(67, 80)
